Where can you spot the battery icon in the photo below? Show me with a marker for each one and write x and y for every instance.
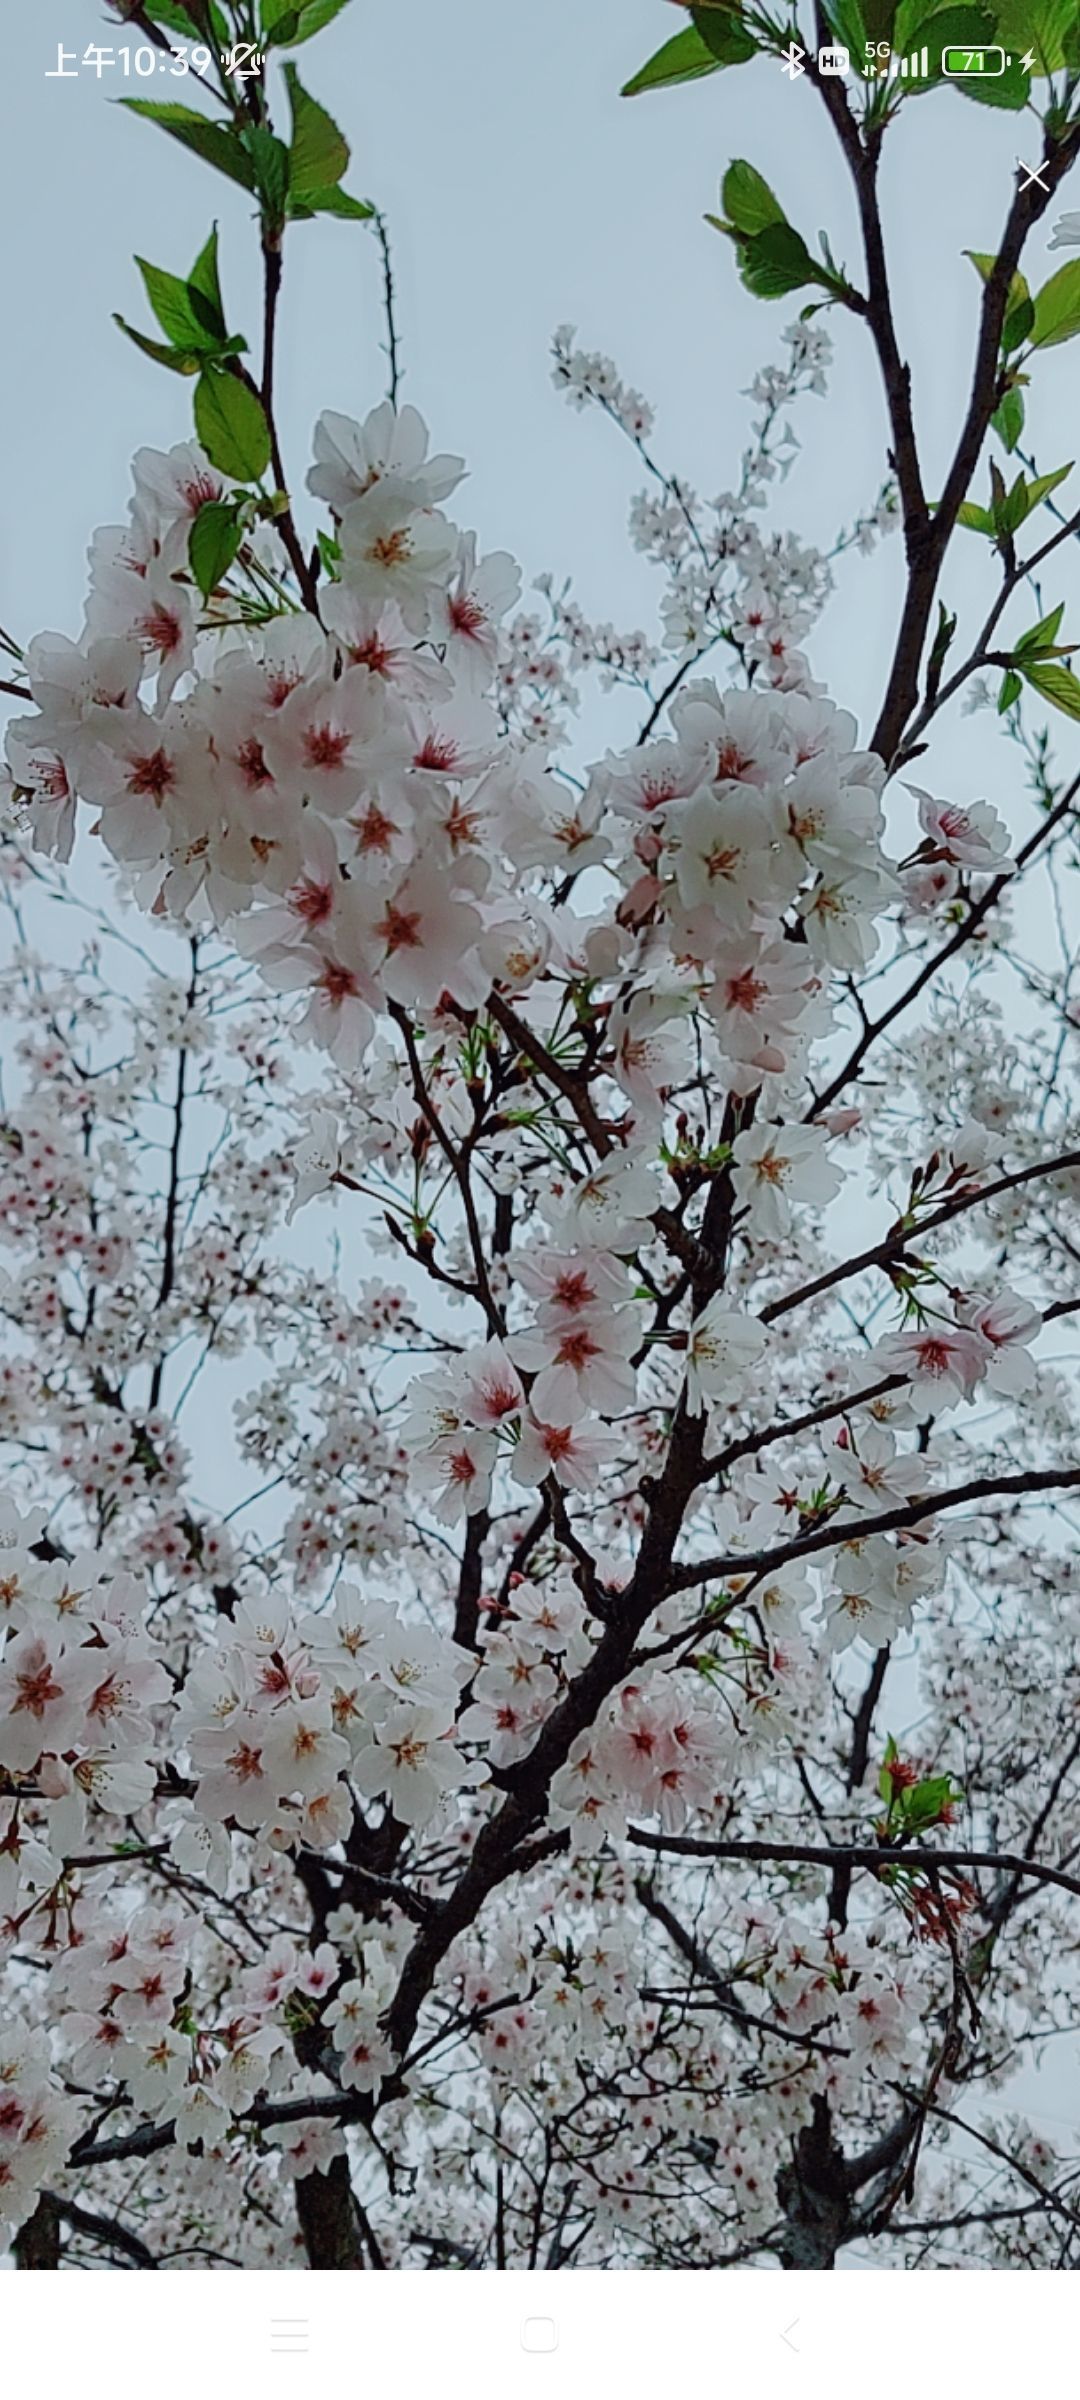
(990, 60)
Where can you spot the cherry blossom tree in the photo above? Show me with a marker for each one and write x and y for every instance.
(605, 1785)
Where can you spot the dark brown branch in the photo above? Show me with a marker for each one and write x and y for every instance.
(892, 1245)
(858, 1759)
(978, 911)
(108, 2232)
(383, 239)
(893, 1520)
(869, 1855)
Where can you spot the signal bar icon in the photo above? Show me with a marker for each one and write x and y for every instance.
(917, 65)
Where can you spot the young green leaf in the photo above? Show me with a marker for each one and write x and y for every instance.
(185, 314)
(1046, 483)
(1010, 507)
(965, 27)
(1008, 418)
(747, 200)
(1056, 684)
(333, 203)
(213, 542)
(776, 261)
(920, 25)
(946, 628)
(315, 14)
(182, 362)
(924, 1803)
(204, 280)
(723, 32)
(270, 160)
(681, 60)
(231, 424)
(1043, 635)
(287, 23)
(176, 20)
(1018, 324)
(278, 20)
(1011, 89)
(220, 145)
(318, 152)
(1057, 308)
(1011, 688)
(1040, 25)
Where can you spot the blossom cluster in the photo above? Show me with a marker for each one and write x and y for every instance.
(559, 1027)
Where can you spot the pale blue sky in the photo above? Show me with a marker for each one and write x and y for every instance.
(521, 192)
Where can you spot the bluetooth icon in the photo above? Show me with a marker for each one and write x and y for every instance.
(791, 62)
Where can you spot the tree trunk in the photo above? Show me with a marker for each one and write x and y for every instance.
(814, 2194)
(328, 2217)
(37, 2243)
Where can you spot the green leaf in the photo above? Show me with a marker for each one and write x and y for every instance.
(334, 203)
(1008, 418)
(723, 32)
(231, 424)
(318, 152)
(204, 280)
(168, 297)
(1011, 507)
(776, 261)
(845, 19)
(747, 200)
(937, 29)
(1057, 308)
(190, 319)
(880, 17)
(270, 159)
(1043, 484)
(1018, 324)
(924, 1802)
(681, 60)
(1043, 635)
(1011, 90)
(182, 362)
(290, 22)
(1040, 25)
(984, 263)
(317, 13)
(220, 145)
(1011, 688)
(213, 543)
(1056, 684)
(175, 20)
(946, 628)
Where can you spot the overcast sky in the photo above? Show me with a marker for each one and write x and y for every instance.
(521, 192)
